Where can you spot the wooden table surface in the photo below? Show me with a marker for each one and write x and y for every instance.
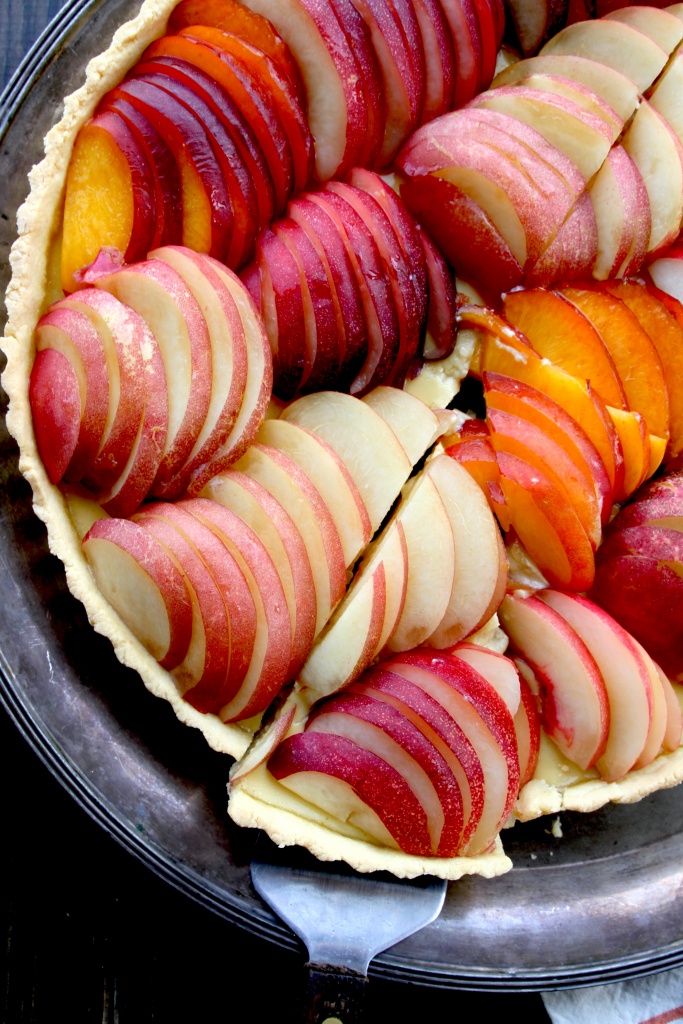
(91, 934)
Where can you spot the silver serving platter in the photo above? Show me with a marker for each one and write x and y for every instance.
(602, 903)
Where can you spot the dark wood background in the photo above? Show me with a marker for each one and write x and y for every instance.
(90, 934)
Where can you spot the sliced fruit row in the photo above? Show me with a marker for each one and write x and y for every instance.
(639, 578)
(436, 574)
(201, 144)
(239, 106)
(421, 753)
(140, 380)
(604, 701)
(348, 287)
(570, 165)
(237, 583)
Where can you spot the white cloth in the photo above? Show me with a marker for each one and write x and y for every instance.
(657, 999)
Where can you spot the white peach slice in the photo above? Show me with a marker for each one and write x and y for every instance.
(144, 586)
(574, 702)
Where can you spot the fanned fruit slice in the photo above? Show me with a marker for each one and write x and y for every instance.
(447, 744)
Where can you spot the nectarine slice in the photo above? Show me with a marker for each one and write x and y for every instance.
(110, 196)
(547, 526)
(516, 397)
(634, 356)
(547, 320)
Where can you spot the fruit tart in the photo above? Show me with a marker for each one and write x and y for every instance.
(267, 245)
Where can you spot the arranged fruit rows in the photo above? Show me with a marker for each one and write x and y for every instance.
(330, 551)
(239, 106)
(570, 165)
(582, 406)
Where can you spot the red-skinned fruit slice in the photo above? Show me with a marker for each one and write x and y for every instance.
(485, 720)
(574, 701)
(384, 731)
(143, 584)
(434, 722)
(110, 196)
(355, 785)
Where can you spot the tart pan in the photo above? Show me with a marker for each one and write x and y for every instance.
(600, 902)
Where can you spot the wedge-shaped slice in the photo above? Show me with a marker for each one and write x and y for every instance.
(203, 673)
(498, 670)
(665, 333)
(618, 91)
(437, 726)
(72, 335)
(228, 354)
(343, 84)
(144, 586)
(507, 352)
(329, 476)
(397, 268)
(575, 708)
(486, 722)
(232, 16)
(480, 573)
(56, 410)
(622, 213)
(384, 731)
(250, 97)
(546, 523)
(257, 507)
(658, 154)
(208, 217)
(439, 57)
(577, 132)
(396, 42)
(213, 690)
(516, 436)
(662, 27)
(292, 488)
(272, 650)
(286, 98)
(528, 729)
(633, 355)
(576, 93)
(122, 333)
(399, 595)
(626, 678)
(364, 442)
(516, 397)
(372, 279)
(468, 237)
(258, 387)
(160, 296)
(615, 44)
(547, 319)
(636, 446)
(110, 196)
(354, 785)
(415, 425)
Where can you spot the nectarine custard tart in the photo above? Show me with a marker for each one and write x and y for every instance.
(266, 246)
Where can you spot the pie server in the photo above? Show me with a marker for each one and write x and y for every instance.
(343, 918)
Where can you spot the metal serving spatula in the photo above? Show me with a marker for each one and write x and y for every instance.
(344, 920)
